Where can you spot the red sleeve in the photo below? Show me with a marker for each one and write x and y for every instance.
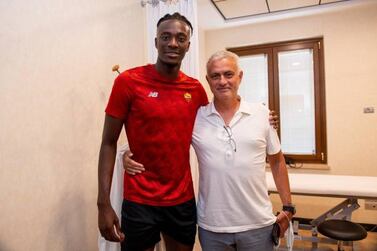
(120, 98)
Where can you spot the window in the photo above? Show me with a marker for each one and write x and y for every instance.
(289, 77)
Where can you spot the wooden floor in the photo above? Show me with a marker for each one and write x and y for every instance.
(368, 244)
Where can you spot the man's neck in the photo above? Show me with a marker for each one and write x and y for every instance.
(166, 70)
(227, 108)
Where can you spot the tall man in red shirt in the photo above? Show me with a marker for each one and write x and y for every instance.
(157, 104)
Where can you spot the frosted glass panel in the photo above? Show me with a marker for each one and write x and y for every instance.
(296, 84)
(254, 85)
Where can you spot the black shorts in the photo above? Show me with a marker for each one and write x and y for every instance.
(142, 224)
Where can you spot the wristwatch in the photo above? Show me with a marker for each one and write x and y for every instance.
(290, 208)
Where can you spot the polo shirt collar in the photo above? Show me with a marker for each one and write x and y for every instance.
(244, 109)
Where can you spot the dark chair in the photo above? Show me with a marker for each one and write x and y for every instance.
(342, 230)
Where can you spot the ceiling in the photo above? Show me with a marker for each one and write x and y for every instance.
(232, 9)
(215, 14)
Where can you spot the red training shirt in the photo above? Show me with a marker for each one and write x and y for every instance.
(159, 116)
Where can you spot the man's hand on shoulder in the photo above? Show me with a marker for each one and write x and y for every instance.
(274, 119)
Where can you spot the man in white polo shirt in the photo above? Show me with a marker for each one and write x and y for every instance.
(232, 139)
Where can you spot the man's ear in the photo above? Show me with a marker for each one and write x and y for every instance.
(188, 46)
(240, 74)
(207, 78)
(155, 42)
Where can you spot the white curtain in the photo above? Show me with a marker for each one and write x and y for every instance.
(187, 8)
(116, 198)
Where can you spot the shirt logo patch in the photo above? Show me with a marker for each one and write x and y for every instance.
(187, 96)
(153, 94)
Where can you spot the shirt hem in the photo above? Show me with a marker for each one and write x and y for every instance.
(235, 229)
(159, 203)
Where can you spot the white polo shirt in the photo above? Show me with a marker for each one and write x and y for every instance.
(233, 194)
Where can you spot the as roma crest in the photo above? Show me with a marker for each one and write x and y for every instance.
(187, 97)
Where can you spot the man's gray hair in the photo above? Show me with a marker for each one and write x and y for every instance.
(224, 54)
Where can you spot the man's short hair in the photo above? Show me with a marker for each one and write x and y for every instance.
(224, 54)
(175, 16)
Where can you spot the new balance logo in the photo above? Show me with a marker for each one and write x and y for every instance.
(153, 94)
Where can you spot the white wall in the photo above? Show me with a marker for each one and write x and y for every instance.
(55, 77)
(350, 39)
